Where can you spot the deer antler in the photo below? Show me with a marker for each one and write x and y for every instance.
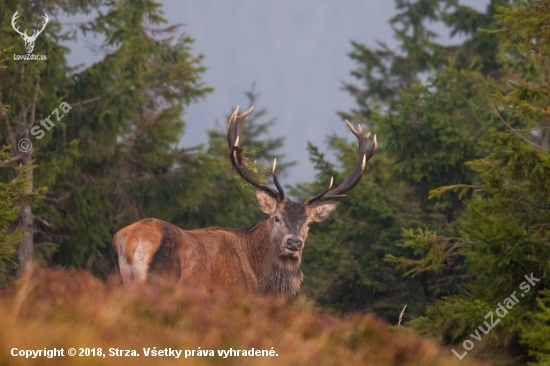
(356, 174)
(237, 158)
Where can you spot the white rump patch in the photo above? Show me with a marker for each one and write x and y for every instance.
(140, 263)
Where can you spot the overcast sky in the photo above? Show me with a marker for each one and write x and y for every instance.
(295, 52)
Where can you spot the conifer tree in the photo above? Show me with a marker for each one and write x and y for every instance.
(12, 196)
(429, 105)
(128, 126)
(30, 93)
(504, 232)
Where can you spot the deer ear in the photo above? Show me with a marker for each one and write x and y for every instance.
(321, 211)
(267, 204)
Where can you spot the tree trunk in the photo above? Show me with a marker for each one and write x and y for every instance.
(25, 224)
(25, 250)
(25, 220)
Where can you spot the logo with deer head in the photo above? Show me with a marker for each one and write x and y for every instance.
(29, 40)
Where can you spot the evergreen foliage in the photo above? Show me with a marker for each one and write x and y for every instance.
(12, 195)
(456, 198)
(503, 235)
(127, 121)
(115, 158)
(429, 105)
(451, 215)
(30, 91)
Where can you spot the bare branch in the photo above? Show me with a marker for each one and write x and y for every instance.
(86, 101)
(11, 163)
(516, 132)
(42, 220)
(57, 200)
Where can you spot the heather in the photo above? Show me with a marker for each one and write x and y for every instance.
(63, 309)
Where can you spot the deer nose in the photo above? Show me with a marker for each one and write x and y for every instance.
(294, 244)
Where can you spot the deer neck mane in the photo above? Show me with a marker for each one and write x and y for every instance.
(276, 276)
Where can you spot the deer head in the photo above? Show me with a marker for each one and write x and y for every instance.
(289, 221)
(29, 40)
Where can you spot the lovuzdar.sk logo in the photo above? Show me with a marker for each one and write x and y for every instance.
(29, 40)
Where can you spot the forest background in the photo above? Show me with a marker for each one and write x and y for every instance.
(453, 212)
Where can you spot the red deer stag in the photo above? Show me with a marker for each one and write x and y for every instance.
(265, 258)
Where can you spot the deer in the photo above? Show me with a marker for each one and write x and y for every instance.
(264, 259)
(29, 40)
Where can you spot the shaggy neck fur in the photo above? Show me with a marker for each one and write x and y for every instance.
(276, 275)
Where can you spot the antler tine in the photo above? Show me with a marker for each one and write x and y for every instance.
(276, 181)
(237, 158)
(315, 198)
(357, 173)
(373, 148)
(233, 128)
(232, 134)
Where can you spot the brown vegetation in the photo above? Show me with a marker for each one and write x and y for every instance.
(59, 309)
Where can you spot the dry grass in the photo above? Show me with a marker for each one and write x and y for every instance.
(73, 309)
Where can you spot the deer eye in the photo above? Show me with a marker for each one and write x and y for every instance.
(276, 218)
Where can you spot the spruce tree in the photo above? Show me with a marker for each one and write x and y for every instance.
(428, 103)
(503, 241)
(31, 91)
(128, 126)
